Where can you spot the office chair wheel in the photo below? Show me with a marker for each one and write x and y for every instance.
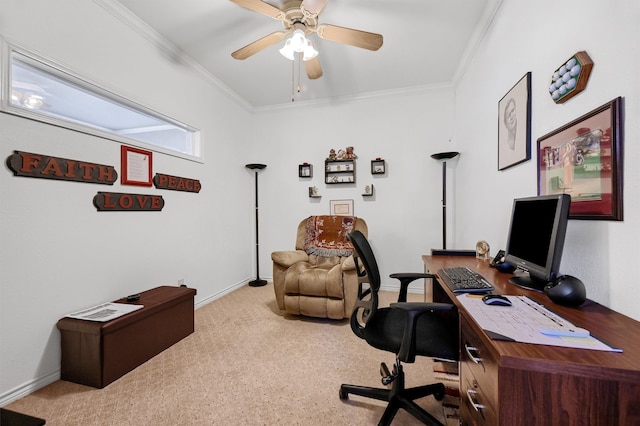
(439, 394)
(345, 395)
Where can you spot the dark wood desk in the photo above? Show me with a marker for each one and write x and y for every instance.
(97, 353)
(508, 383)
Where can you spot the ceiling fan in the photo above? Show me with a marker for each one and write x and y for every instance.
(303, 15)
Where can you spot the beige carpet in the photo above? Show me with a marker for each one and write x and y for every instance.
(246, 364)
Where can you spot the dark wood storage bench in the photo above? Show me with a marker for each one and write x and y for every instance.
(98, 353)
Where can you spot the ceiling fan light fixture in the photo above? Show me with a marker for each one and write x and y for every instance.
(287, 50)
(298, 43)
(309, 51)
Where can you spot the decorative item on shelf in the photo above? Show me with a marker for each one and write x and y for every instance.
(313, 192)
(305, 170)
(482, 250)
(378, 166)
(368, 191)
(571, 78)
(342, 154)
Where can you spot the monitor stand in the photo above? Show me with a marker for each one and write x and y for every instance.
(526, 281)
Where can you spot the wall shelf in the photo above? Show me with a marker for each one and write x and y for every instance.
(305, 170)
(339, 171)
(378, 167)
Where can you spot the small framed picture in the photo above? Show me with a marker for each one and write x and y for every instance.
(341, 207)
(136, 166)
(514, 125)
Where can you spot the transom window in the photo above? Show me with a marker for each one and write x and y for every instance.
(41, 91)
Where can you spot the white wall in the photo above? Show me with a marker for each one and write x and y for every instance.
(57, 253)
(534, 36)
(404, 215)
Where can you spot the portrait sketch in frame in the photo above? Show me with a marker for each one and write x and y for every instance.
(514, 124)
(584, 159)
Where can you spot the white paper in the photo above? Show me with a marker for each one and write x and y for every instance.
(105, 312)
(523, 320)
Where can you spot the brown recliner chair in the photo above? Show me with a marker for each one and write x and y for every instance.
(319, 278)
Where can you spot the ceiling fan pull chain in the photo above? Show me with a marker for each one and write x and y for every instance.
(299, 65)
(293, 93)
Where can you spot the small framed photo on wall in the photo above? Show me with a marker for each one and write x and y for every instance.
(341, 207)
(137, 166)
(514, 125)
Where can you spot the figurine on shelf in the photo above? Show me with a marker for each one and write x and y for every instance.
(332, 155)
(350, 154)
(347, 154)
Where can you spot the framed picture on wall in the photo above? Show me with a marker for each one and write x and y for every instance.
(341, 207)
(514, 125)
(136, 166)
(584, 159)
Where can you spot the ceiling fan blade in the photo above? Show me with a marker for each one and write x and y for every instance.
(261, 7)
(357, 38)
(313, 7)
(253, 48)
(313, 68)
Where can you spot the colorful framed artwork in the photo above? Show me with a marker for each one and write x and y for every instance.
(584, 159)
(341, 207)
(514, 124)
(137, 166)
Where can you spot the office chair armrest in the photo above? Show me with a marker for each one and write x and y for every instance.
(420, 307)
(288, 258)
(407, 351)
(407, 278)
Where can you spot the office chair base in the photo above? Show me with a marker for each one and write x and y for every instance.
(398, 397)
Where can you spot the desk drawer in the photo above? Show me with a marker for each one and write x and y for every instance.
(479, 378)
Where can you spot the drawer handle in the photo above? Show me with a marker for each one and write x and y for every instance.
(470, 395)
(472, 353)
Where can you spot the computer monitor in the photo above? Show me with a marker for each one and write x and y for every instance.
(536, 238)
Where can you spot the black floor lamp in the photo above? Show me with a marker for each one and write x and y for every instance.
(443, 157)
(257, 282)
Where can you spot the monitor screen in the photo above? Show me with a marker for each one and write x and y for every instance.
(536, 238)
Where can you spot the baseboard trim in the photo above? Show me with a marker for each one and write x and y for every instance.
(28, 388)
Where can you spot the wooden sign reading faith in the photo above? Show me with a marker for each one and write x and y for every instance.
(47, 167)
(176, 183)
(115, 201)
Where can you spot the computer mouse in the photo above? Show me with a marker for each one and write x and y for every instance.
(496, 299)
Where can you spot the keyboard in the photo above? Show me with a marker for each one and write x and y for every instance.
(464, 280)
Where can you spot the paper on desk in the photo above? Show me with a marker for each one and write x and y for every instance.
(105, 312)
(522, 322)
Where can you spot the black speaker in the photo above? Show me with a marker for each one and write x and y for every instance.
(566, 290)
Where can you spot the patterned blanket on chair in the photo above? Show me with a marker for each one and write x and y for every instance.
(327, 235)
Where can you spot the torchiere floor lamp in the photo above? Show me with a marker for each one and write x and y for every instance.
(257, 282)
(444, 156)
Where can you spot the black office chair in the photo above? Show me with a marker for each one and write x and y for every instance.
(406, 329)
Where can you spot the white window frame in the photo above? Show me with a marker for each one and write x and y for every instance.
(53, 69)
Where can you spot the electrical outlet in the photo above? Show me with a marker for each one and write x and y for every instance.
(181, 281)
